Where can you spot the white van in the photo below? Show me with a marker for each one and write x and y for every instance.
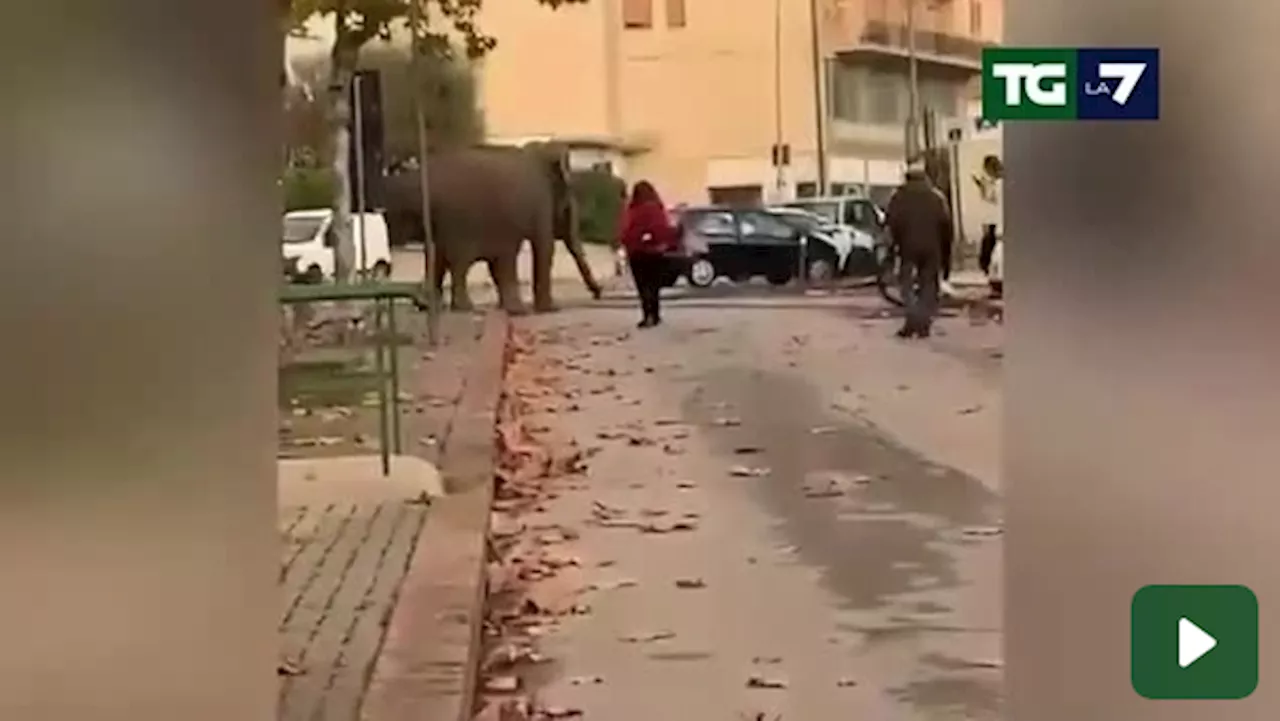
(307, 247)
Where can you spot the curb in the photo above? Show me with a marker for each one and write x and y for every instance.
(428, 666)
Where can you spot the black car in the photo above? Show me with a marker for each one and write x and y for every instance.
(744, 243)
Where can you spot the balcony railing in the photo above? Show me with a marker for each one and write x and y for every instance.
(891, 35)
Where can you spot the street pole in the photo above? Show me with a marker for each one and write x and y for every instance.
(913, 85)
(416, 47)
(819, 97)
(362, 200)
(779, 177)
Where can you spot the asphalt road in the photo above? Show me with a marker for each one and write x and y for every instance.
(841, 491)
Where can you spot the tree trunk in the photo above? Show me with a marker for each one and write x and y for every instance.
(342, 68)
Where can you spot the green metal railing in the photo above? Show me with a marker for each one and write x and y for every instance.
(386, 354)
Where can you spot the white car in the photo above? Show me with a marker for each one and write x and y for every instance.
(854, 247)
(307, 246)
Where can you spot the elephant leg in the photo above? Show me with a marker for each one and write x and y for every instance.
(459, 295)
(543, 255)
(438, 272)
(502, 268)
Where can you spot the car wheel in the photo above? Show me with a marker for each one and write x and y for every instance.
(380, 271)
(313, 276)
(778, 278)
(821, 270)
(702, 273)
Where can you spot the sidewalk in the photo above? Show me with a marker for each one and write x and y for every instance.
(354, 541)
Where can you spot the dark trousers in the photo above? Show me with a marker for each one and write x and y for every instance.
(987, 248)
(918, 279)
(648, 270)
(946, 258)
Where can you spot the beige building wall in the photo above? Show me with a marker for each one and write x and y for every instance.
(692, 101)
(549, 74)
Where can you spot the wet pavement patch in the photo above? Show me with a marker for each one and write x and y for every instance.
(874, 541)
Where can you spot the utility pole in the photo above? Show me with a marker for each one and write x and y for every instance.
(819, 96)
(416, 47)
(779, 176)
(913, 85)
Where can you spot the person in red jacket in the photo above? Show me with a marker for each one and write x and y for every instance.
(648, 237)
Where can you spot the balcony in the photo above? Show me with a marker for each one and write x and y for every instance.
(938, 49)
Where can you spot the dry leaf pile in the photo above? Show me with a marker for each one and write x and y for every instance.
(534, 580)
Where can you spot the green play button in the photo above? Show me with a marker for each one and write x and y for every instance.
(1194, 642)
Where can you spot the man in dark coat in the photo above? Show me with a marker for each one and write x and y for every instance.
(919, 225)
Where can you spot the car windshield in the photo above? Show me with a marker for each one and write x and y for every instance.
(826, 209)
(301, 230)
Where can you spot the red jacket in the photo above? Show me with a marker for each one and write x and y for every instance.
(646, 228)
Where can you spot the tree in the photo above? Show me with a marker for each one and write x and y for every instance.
(355, 24)
(448, 85)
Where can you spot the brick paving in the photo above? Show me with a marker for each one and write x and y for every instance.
(343, 565)
(344, 560)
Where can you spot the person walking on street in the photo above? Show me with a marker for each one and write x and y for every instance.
(648, 237)
(919, 224)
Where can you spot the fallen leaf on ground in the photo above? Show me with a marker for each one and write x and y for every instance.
(290, 668)
(586, 681)
(970, 410)
(748, 472)
(766, 660)
(983, 531)
(668, 527)
(830, 491)
(502, 684)
(505, 710)
(690, 583)
(614, 584)
(764, 682)
(648, 637)
(727, 422)
(686, 486)
(747, 450)
(557, 712)
(846, 683)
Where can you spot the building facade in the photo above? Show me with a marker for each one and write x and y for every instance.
(697, 94)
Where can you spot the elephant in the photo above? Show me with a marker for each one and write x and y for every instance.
(485, 201)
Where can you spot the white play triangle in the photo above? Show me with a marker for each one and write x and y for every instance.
(1193, 643)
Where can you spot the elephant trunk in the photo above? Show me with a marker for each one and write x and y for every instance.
(568, 228)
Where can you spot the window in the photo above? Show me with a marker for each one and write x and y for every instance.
(637, 14)
(861, 214)
(675, 13)
(763, 224)
(940, 96)
(828, 210)
(885, 93)
(806, 190)
(713, 224)
(846, 92)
